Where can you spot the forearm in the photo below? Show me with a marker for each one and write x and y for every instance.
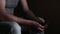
(13, 18)
(32, 16)
(17, 19)
(23, 21)
(27, 10)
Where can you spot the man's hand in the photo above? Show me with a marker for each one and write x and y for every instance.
(43, 21)
(41, 28)
(37, 25)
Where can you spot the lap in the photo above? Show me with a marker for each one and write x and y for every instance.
(14, 27)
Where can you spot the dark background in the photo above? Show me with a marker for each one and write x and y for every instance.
(50, 9)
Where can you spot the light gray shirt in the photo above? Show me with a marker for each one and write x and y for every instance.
(10, 5)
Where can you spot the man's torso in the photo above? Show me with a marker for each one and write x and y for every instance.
(10, 5)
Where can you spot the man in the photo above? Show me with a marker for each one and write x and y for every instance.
(6, 12)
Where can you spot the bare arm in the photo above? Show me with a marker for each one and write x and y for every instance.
(14, 18)
(29, 12)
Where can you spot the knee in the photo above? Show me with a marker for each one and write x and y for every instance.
(16, 29)
(42, 19)
(16, 26)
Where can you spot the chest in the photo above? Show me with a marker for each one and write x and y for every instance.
(11, 3)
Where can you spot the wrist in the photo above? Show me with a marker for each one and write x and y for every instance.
(39, 25)
(36, 24)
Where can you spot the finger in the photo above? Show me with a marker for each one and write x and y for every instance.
(42, 26)
(40, 29)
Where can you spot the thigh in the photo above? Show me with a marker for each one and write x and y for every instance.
(15, 27)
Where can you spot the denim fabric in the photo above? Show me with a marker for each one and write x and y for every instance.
(15, 27)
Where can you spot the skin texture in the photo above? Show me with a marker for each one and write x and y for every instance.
(18, 19)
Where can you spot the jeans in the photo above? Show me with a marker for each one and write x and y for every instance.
(30, 29)
(15, 27)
